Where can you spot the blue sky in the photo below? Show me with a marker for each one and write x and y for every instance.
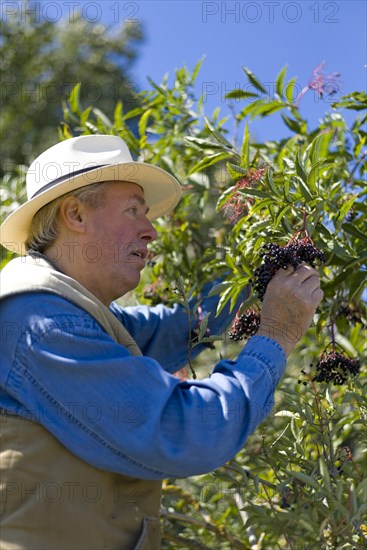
(263, 35)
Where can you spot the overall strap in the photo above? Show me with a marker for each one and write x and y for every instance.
(36, 274)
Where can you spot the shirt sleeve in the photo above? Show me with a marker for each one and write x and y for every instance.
(125, 413)
(164, 333)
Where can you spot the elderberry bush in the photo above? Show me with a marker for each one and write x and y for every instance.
(245, 325)
(276, 257)
(336, 367)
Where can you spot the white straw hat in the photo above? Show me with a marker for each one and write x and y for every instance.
(81, 161)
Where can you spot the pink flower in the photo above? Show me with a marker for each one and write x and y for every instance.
(324, 85)
(238, 205)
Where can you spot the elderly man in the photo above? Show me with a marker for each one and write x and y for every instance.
(92, 418)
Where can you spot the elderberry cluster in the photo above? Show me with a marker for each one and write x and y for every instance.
(276, 257)
(245, 325)
(335, 367)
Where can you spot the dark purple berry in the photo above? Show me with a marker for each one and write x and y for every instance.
(245, 325)
(335, 367)
(277, 257)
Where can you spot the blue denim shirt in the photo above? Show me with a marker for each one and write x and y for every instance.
(129, 414)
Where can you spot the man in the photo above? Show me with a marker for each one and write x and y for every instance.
(92, 418)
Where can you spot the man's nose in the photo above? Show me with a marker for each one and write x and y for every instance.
(149, 232)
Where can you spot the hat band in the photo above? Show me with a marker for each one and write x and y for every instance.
(66, 177)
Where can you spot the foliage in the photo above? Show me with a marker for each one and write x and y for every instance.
(43, 59)
(301, 480)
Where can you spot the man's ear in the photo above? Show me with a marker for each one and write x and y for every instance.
(73, 214)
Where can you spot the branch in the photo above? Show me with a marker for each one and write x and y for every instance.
(220, 533)
(244, 516)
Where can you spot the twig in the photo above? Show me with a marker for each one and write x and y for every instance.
(219, 532)
(249, 475)
(183, 542)
(186, 305)
(244, 516)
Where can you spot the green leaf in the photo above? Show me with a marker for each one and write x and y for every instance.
(304, 190)
(197, 68)
(230, 262)
(353, 230)
(357, 284)
(280, 82)
(342, 252)
(249, 302)
(299, 167)
(101, 116)
(91, 127)
(355, 261)
(224, 198)
(254, 81)
(117, 114)
(352, 499)
(320, 146)
(74, 99)
(264, 108)
(208, 161)
(224, 299)
(64, 132)
(324, 473)
(143, 123)
(160, 89)
(203, 326)
(289, 90)
(133, 113)
(85, 115)
(306, 525)
(347, 206)
(239, 94)
(219, 288)
(262, 204)
(235, 170)
(304, 478)
(249, 109)
(254, 193)
(308, 414)
(245, 149)
(338, 279)
(361, 489)
(204, 143)
(288, 414)
(355, 100)
(218, 136)
(292, 124)
(270, 182)
(280, 216)
(315, 174)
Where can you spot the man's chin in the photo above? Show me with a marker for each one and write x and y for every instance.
(132, 283)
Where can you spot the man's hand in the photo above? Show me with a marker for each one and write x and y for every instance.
(289, 304)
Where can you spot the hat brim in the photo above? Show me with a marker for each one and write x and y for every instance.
(161, 192)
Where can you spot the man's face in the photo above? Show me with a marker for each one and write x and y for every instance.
(118, 234)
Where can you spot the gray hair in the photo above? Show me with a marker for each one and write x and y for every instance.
(45, 223)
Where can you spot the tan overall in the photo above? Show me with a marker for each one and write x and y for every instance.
(51, 499)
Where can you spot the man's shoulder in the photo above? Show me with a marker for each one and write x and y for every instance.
(42, 303)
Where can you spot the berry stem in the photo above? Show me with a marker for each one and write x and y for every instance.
(304, 221)
(333, 333)
(303, 231)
